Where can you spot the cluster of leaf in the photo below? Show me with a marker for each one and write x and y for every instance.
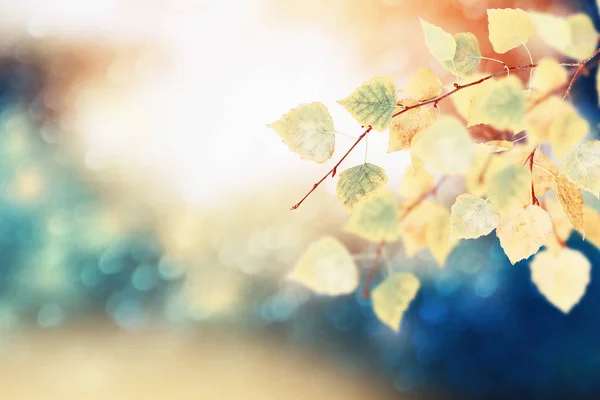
(528, 191)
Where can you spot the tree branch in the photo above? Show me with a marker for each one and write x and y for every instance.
(580, 65)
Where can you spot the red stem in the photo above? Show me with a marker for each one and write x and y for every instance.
(333, 170)
(373, 269)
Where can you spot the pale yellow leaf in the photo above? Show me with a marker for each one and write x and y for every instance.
(500, 104)
(562, 227)
(549, 75)
(359, 182)
(472, 217)
(408, 124)
(554, 30)
(569, 196)
(509, 28)
(373, 103)
(485, 167)
(438, 238)
(462, 99)
(494, 146)
(543, 174)
(392, 297)
(566, 130)
(327, 267)
(582, 166)
(574, 36)
(423, 85)
(308, 131)
(441, 44)
(508, 187)
(562, 277)
(415, 181)
(376, 218)
(539, 119)
(523, 231)
(446, 146)
(413, 223)
(467, 57)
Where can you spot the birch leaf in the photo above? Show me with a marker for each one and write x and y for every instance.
(446, 146)
(415, 181)
(566, 130)
(373, 103)
(441, 44)
(523, 231)
(376, 218)
(508, 187)
(569, 196)
(539, 119)
(472, 217)
(308, 131)
(485, 167)
(562, 227)
(413, 224)
(423, 85)
(582, 166)
(561, 277)
(549, 75)
(467, 57)
(574, 36)
(462, 99)
(508, 28)
(543, 174)
(408, 124)
(392, 297)
(438, 238)
(359, 182)
(500, 104)
(327, 267)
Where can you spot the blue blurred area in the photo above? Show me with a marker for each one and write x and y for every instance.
(478, 329)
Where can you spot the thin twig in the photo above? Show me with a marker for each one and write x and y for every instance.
(581, 65)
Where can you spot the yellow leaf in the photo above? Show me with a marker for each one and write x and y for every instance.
(540, 118)
(413, 224)
(438, 237)
(549, 75)
(359, 182)
(591, 224)
(423, 85)
(574, 36)
(508, 28)
(566, 130)
(376, 218)
(523, 231)
(561, 277)
(467, 57)
(582, 166)
(408, 124)
(373, 103)
(569, 196)
(472, 217)
(462, 99)
(392, 297)
(500, 104)
(562, 227)
(495, 146)
(327, 267)
(415, 181)
(484, 168)
(543, 174)
(308, 131)
(446, 146)
(508, 187)
(441, 44)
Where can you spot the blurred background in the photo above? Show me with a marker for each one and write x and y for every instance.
(145, 230)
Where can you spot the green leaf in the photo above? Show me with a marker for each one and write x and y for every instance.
(358, 182)
(308, 131)
(472, 217)
(446, 146)
(582, 166)
(467, 57)
(440, 43)
(509, 28)
(500, 104)
(376, 218)
(392, 297)
(373, 103)
(327, 267)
